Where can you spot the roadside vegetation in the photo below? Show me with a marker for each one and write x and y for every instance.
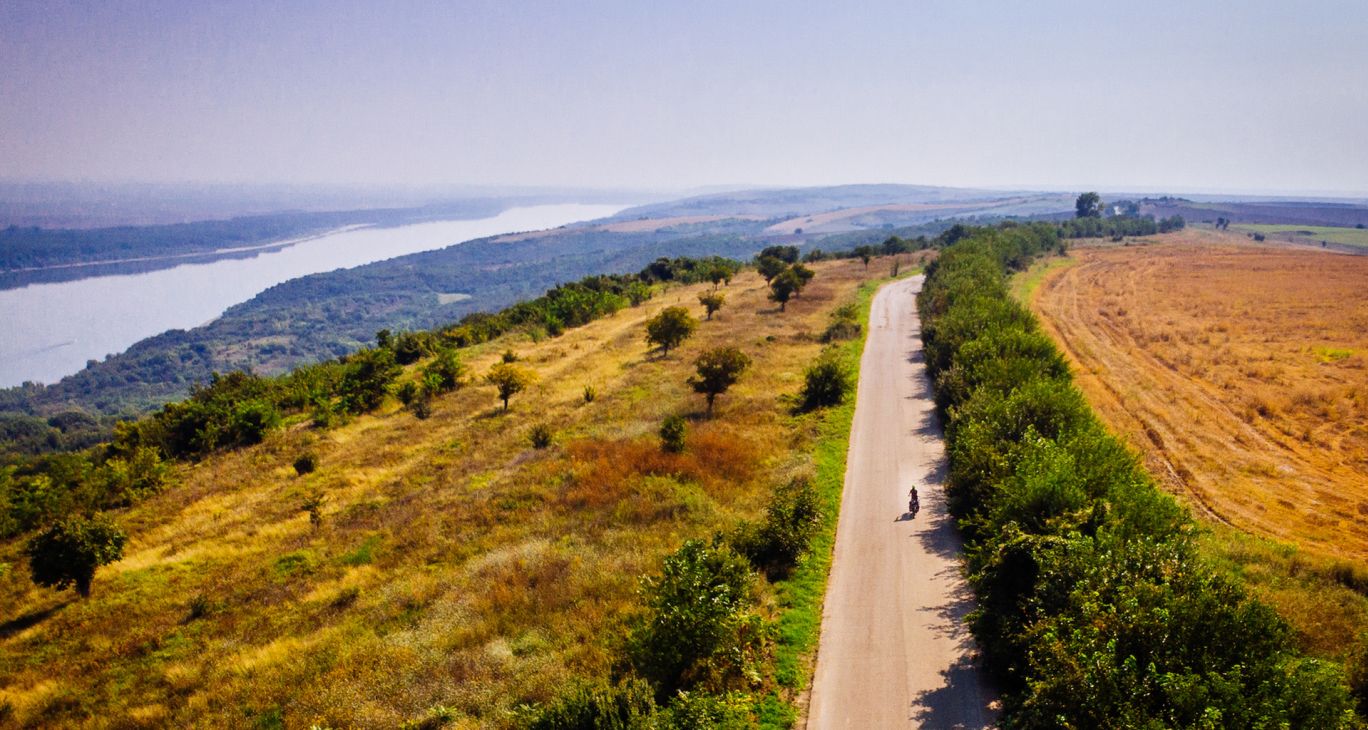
(1096, 606)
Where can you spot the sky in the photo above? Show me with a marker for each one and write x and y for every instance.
(1194, 96)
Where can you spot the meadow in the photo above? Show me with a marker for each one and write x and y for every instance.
(440, 570)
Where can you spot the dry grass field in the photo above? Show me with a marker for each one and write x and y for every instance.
(1240, 372)
(454, 567)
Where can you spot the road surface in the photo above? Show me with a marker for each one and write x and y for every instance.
(895, 651)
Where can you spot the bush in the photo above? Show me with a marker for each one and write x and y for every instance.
(540, 436)
(844, 324)
(791, 520)
(698, 629)
(307, 463)
(590, 394)
(626, 706)
(826, 383)
(673, 433)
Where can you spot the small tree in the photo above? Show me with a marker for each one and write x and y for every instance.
(69, 552)
(770, 267)
(540, 436)
(669, 328)
(712, 301)
(804, 275)
(825, 384)
(866, 254)
(673, 433)
(783, 288)
(509, 379)
(718, 370)
(1088, 205)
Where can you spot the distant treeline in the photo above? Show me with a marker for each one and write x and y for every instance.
(1095, 609)
(1119, 226)
(240, 409)
(32, 247)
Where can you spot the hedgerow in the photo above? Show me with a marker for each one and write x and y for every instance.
(1094, 608)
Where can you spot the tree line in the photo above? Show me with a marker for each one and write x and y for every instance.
(1095, 608)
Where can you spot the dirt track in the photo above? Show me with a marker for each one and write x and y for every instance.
(894, 650)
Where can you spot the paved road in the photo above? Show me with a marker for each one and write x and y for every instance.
(894, 650)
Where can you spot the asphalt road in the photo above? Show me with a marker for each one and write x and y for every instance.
(894, 649)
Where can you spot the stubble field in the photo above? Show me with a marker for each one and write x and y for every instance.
(1239, 372)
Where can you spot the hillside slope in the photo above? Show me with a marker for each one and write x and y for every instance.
(455, 569)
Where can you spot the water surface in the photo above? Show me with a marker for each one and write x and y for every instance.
(48, 331)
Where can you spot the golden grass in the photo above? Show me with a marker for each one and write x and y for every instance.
(455, 565)
(1213, 360)
(1238, 372)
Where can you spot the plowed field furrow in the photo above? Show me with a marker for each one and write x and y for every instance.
(1238, 372)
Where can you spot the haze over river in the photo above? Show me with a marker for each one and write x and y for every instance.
(48, 331)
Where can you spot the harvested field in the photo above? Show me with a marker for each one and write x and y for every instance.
(1238, 371)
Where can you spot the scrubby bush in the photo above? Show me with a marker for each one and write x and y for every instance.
(699, 630)
(843, 324)
(590, 394)
(307, 463)
(540, 436)
(673, 433)
(791, 520)
(826, 383)
(629, 705)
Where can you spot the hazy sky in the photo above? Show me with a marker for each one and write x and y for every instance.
(1191, 95)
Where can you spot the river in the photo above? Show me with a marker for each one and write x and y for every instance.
(49, 331)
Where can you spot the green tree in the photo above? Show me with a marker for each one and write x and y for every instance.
(787, 254)
(718, 369)
(69, 552)
(784, 287)
(712, 301)
(509, 379)
(1088, 205)
(770, 267)
(865, 254)
(669, 328)
(804, 275)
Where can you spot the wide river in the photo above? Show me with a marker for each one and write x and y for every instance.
(49, 331)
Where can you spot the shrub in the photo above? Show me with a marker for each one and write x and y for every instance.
(826, 383)
(540, 436)
(68, 553)
(307, 463)
(673, 433)
(776, 545)
(590, 393)
(844, 323)
(444, 373)
(698, 630)
(629, 705)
